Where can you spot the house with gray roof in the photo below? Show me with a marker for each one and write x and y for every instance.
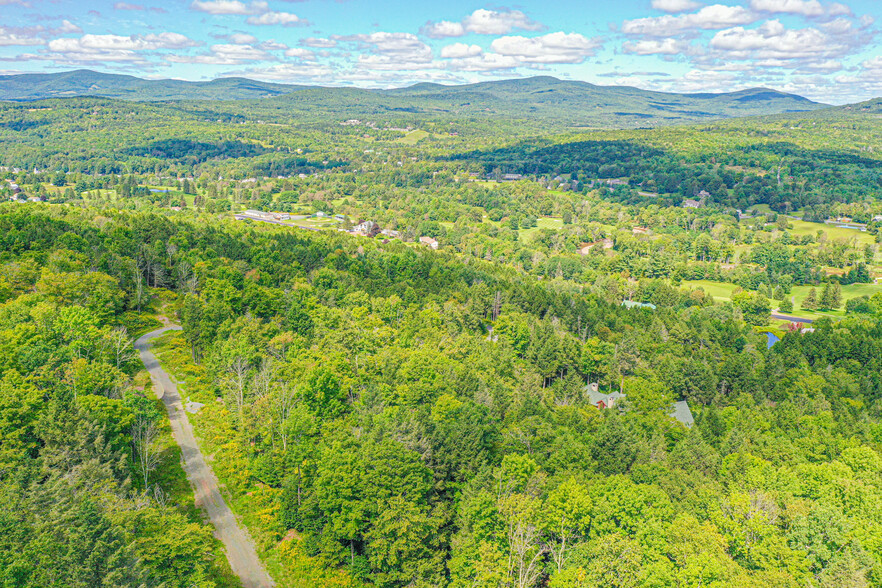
(680, 409)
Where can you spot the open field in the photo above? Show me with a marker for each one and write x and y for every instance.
(527, 235)
(722, 291)
(413, 137)
(833, 232)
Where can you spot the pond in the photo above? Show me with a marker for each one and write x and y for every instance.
(772, 339)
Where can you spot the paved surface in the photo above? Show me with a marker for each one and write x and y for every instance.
(240, 550)
(792, 319)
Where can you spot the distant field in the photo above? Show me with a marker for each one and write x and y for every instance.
(833, 232)
(413, 137)
(723, 292)
(316, 223)
(527, 235)
(719, 290)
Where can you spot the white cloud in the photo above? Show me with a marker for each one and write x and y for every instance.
(285, 19)
(807, 8)
(675, 5)
(657, 47)
(717, 16)
(482, 22)
(774, 40)
(11, 38)
(486, 62)
(289, 72)
(300, 53)
(230, 7)
(241, 38)
(460, 50)
(803, 7)
(445, 28)
(390, 51)
(127, 6)
(67, 27)
(556, 47)
(318, 43)
(224, 54)
(402, 45)
(117, 43)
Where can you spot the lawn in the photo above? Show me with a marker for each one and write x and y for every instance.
(723, 291)
(317, 222)
(833, 232)
(848, 292)
(719, 290)
(547, 222)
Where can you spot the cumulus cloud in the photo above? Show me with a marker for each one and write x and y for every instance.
(657, 47)
(675, 5)
(224, 54)
(127, 6)
(289, 72)
(482, 22)
(12, 38)
(390, 51)
(486, 62)
(809, 8)
(318, 43)
(300, 53)
(774, 41)
(117, 43)
(460, 50)
(717, 16)
(285, 19)
(219, 7)
(240, 38)
(556, 47)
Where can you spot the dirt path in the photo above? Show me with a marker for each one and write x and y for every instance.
(240, 550)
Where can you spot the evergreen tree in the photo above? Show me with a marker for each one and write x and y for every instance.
(811, 300)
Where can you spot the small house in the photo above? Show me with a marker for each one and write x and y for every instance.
(429, 241)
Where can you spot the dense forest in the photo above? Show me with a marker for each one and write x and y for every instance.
(403, 417)
(426, 347)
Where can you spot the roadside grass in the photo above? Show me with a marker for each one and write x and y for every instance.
(253, 503)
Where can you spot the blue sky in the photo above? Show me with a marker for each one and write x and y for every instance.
(828, 51)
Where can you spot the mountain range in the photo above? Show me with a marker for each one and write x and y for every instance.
(544, 98)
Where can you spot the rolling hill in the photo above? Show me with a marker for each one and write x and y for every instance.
(569, 103)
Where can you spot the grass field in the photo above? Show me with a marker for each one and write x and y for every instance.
(833, 232)
(719, 290)
(413, 137)
(723, 292)
(527, 235)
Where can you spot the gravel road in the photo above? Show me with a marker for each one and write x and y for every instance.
(240, 549)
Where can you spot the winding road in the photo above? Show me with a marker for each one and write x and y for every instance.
(240, 550)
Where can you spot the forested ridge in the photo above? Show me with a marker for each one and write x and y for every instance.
(395, 416)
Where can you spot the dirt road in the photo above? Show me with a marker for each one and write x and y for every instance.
(240, 550)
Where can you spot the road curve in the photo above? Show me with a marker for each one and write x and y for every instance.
(240, 550)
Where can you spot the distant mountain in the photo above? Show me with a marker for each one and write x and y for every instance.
(84, 82)
(539, 98)
(589, 104)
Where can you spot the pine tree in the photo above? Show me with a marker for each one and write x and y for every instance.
(811, 300)
(825, 302)
(835, 296)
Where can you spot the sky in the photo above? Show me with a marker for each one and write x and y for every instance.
(826, 51)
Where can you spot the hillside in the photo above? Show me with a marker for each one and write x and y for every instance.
(82, 82)
(543, 99)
